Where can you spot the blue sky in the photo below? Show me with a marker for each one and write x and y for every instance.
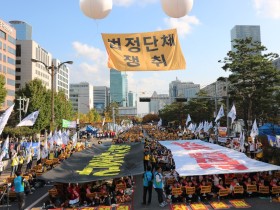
(61, 28)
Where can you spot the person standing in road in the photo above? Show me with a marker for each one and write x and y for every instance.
(14, 163)
(159, 186)
(19, 189)
(147, 185)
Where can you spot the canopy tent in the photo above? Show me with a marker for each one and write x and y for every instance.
(196, 157)
(100, 162)
(89, 129)
(269, 129)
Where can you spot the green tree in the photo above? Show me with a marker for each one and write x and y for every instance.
(39, 99)
(3, 91)
(108, 112)
(254, 79)
(63, 108)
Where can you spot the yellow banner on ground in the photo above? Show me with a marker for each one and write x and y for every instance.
(152, 51)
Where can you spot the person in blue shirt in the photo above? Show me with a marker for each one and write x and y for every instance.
(19, 189)
(159, 186)
(147, 185)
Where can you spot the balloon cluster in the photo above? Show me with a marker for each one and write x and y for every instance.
(99, 9)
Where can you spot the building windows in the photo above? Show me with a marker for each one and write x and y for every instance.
(18, 50)
(4, 58)
(10, 103)
(11, 82)
(18, 77)
(17, 85)
(11, 39)
(11, 71)
(2, 34)
(11, 92)
(18, 69)
(11, 50)
(11, 61)
(18, 61)
(0, 45)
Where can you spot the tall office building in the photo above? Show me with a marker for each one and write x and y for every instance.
(7, 60)
(24, 30)
(26, 70)
(276, 63)
(245, 31)
(131, 99)
(182, 89)
(158, 101)
(217, 88)
(101, 98)
(118, 87)
(62, 78)
(81, 97)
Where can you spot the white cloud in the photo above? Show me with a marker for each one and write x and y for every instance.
(183, 25)
(93, 66)
(268, 8)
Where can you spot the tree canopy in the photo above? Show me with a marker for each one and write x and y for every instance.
(3, 91)
(254, 81)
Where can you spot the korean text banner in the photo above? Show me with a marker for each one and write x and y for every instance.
(195, 157)
(101, 162)
(151, 51)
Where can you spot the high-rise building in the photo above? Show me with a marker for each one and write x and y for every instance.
(182, 89)
(61, 78)
(158, 101)
(276, 63)
(81, 97)
(217, 88)
(101, 98)
(7, 60)
(131, 99)
(24, 30)
(118, 87)
(26, 70)
(245, 31)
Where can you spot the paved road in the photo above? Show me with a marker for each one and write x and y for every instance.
(40, 196)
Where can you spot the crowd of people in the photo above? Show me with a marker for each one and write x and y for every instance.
(104, 192)
(159, 172)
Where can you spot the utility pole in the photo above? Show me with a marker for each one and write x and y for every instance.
(23, 106)
(228, 128)
(216, 104)
(113, 113)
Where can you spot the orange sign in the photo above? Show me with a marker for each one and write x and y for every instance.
(123, 208)
(198, 206)
(239, 204)
(219, 205)
(179, 207)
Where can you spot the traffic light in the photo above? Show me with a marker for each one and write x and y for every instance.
(78, 127)
(181, 99)
(144, 99)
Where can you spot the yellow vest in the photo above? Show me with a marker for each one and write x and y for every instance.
(14, 161)
(21, 159)
(51, 156)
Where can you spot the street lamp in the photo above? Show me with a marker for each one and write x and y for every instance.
(52, 70)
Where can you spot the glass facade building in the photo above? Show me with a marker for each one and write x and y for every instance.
(245, 31)
(24, 30)
(118, 87)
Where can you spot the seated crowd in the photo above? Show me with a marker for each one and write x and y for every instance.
(115, 191)
(196, 188)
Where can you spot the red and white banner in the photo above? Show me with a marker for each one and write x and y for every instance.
(195, 157)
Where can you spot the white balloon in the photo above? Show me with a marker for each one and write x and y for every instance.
(176, 8)
(96, 9)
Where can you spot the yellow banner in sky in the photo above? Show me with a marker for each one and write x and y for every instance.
(152, 51)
